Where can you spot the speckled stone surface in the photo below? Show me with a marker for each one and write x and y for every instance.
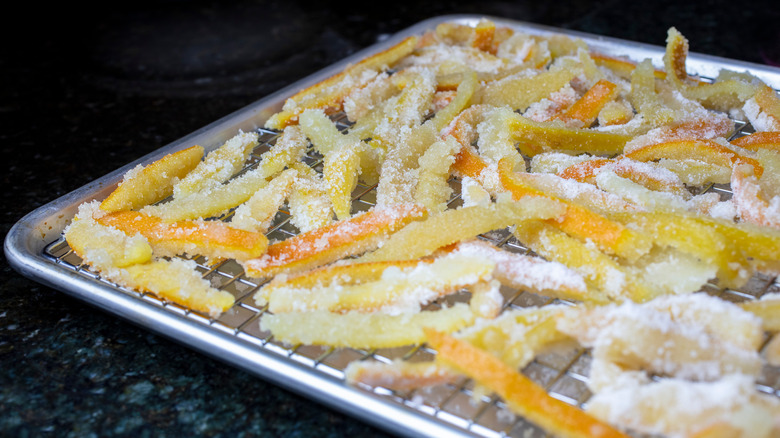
(86, 92)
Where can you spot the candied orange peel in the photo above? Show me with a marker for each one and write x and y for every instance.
(208, 238)
(353, 236)
(523, 395)
(480, 169)
(154, 182)
(330, 94)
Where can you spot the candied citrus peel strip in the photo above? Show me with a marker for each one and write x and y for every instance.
(586, 170)
(768, 309)
(364, 330)
(756, 242)
(610, 279)
(586, 109)
(500, 336)
(708, 150)
(521, 394)
(404, 289)
(218, 165)
(257, 213)
(644, 97)
(423, 238)
(525, 272)
(99, 245)
(689, 234)
(433, 189)
(178, 281)
(577, 221)
(128, 261)
(154, 182)
(469, 163)
(750, 200)
(328, 94)
(519, 92)
(623, 67)
(360, 233)
(767, 100)
(482, 36)
(675, 57)
(536, 137)
(398, 375)
(350, 274)
(211, 201)
(581, 222)
(518, 335)
(759, 140)
(212, 239)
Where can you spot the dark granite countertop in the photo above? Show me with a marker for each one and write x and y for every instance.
(87, 91)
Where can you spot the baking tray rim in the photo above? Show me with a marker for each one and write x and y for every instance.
(27, 238)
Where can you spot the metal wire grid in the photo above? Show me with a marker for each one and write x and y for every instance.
(562, 374)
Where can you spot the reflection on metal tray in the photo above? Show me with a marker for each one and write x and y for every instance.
(35, 248)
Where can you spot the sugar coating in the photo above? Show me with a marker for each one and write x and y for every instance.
(694, 336)
(524, 271)
(679, 408)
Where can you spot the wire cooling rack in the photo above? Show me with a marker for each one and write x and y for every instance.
(562, 374)
(236, 336)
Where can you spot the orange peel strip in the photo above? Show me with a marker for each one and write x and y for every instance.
(586, 170)
(767, 100)
(401, 290)
(675, 57)
(690, 235)
(768, 309)
(353, 273)
(536, 137)
(622, 67)
(178, 281)
(120, 250)
(399, 375)
(519, 92)
(212, 239)
(521, 394)
(580, 222)
(374, 330)
(586, 109)
(469, 163)
(759, 140)
(425, 237)
(705, 150)
(526, 272)
(750, 200)
(518, 335)
(482, 36)
(321, 95)
(757, 242)
(360, 233)
(599, 269)
(577, 221)
(154, 182)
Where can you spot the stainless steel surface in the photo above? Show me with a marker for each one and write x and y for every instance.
(35, 248)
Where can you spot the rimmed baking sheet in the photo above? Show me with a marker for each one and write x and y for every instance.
(35, 248)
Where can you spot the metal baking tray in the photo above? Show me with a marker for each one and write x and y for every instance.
(35, 248)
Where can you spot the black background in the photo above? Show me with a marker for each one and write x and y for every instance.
(86, 90)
